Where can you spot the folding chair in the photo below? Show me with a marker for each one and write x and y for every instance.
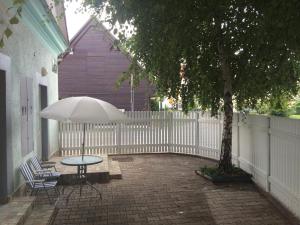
(41, 172)
(37, 185)
(45, 165)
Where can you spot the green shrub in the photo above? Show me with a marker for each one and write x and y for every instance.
(277, 106)
(215, 171)
(154, 105)
(297, 108)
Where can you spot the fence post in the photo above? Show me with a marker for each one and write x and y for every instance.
(118, 137)
(170, 131)
(269, 156)
(197, 133)
(238, 124)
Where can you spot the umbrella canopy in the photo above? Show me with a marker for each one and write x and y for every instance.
(83, 110)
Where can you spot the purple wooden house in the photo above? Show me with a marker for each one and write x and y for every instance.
(93, 67)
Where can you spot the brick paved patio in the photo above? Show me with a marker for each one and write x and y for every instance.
(163, 189)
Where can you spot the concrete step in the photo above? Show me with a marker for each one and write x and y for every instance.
(108, 169)
(95, 172)
(41, 215)
(16, 211)
(114, 169)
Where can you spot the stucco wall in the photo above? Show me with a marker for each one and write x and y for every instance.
(28, 55)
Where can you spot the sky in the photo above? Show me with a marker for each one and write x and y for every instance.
(75, 19)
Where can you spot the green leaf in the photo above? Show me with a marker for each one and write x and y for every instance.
(14, 20)
(19, 11)
(8, 32)
(1, 43)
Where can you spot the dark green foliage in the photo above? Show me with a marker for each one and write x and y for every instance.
(216, 172)
(244, 51)
(297, 108)
(16, 10)
(277, 106)
(7, 32)
(259, 38)
(1, 43)
(135, 72)
(154, 105)
(14, 20)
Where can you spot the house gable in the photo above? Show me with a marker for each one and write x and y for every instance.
(94, 68)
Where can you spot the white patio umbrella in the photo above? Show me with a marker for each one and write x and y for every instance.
(83, 110)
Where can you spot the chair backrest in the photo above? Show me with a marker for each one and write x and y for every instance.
(35, 163)
(27, 174)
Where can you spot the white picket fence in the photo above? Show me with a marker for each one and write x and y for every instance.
(266, 147)
(146, 132)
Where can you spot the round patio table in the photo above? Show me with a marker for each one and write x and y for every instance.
(82, 162)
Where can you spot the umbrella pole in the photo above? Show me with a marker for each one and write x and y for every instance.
(83, 141)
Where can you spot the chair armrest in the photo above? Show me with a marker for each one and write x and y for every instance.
(43, 171)
(36, 181)
(48, 162)
(47, 165)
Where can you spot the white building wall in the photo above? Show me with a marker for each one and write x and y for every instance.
(28, 56)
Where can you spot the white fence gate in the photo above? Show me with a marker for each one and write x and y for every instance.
(266, 147)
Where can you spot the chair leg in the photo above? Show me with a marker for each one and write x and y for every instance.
(27, 191)
(57, 191)
(48, 195)
(34, 192)
(63, 189)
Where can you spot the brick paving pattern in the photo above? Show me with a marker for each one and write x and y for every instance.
(164, 190)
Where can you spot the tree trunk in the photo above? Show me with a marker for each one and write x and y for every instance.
(225, 163)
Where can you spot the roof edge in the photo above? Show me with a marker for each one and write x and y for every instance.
(35, 15)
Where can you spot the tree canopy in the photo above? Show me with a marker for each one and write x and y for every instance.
(242, 51)
(259, 38)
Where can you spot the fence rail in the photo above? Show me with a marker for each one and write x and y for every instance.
(266, 147)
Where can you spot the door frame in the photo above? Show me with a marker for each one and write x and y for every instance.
(43, 93)
(7, 182)
(42, 81)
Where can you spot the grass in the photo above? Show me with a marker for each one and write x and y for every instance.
(295, 117)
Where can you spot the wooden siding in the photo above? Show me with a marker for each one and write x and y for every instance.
(94, 67)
